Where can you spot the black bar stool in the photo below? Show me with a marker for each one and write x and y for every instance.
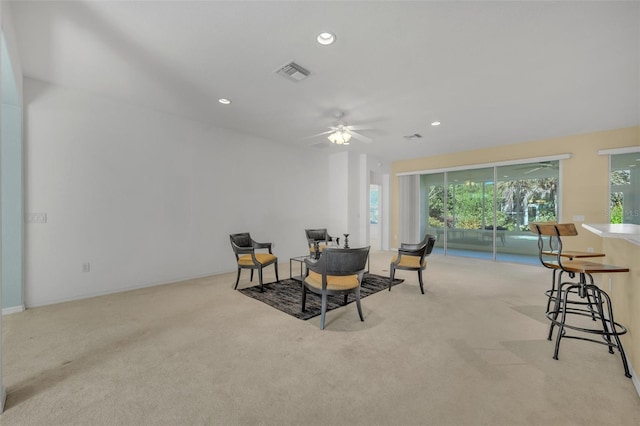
(548, 254)
(580, 299)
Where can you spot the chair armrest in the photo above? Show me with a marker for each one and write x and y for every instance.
(314, 265)
(262, 245)
(410, 246)
(245, 250)
(409, 250)
(241, 250)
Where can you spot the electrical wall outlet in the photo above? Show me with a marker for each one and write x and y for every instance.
(578, 218)
(36, 218)
(86, 267)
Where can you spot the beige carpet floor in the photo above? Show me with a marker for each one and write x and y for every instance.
(471, 351)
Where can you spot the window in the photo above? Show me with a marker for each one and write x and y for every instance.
(374, 205)
(624, 181)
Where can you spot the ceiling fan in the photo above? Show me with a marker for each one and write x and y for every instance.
(341, 132)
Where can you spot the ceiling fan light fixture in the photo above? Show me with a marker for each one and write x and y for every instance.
(340, 137)
(326, 39)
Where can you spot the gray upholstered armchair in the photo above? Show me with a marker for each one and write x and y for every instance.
(244, 248)
(411, 257)
(320, 236)
(337, 272)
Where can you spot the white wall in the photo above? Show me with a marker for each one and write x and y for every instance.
(149, 198)
(362, 186)
(349, 204)
(338, 204)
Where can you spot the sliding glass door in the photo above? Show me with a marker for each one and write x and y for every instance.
(434, 207)
(526, 193)
(485, 212)
(470, 212)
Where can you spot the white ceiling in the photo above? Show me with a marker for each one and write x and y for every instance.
(493, 73)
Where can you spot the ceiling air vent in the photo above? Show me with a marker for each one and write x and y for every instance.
(413, 136)
(293, 71)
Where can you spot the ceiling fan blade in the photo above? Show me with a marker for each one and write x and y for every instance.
(359, 127)
(361, 138)
(319, 134)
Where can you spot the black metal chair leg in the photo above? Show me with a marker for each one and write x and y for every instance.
(260, 278)
(358, 304)
(617, 337)
(420, 280)
(251, 278)
(553, 288)
(323, 311)
(583, 279)
(563, 320)
(304, 297)
(556, 292)
(623, 356)
(275, 265)
(393, 274)
(597, 296)
(556, 309)
(237, 280)
(613, 331)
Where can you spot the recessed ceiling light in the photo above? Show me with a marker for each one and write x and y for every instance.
(224, 101)
(326, 38)
(435, 123)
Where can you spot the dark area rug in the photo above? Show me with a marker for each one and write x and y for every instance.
(286, 295)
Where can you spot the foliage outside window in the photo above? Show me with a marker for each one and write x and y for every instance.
(624, 181)
(374, 195)
(521, 200)
(487, 210)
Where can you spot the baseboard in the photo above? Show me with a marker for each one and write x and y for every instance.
(13, 310)
(121, 290)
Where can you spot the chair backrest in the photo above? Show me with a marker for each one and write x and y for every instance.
(430, 243)
(554, 229)
(241, 240)
(423, 248)
(320, 234)
(341, 261)
(552, 250)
